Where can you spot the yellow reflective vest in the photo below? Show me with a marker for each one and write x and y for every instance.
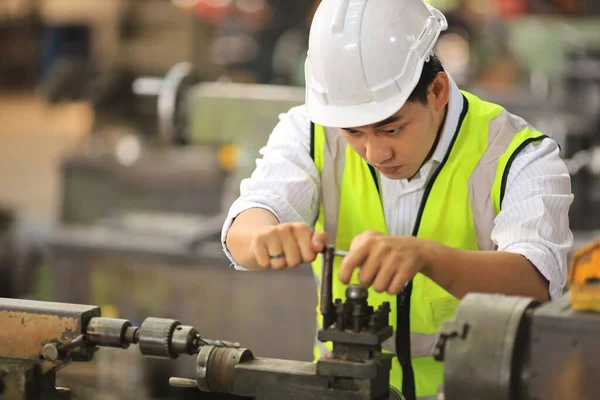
(458, 209)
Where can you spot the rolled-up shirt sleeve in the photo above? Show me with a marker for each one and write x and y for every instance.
(534, 217)
(285, 181)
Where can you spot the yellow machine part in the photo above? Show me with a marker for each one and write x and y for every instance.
(584, 278)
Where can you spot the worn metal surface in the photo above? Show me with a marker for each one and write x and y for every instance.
(220, 372)
(511, 348)
(28, 325)
(13, 378)
(268, 379)
(481, 346)
(564, 356)
(109, 332)
(361, 338)
(22, 380)
(83, 312)
(368, 369)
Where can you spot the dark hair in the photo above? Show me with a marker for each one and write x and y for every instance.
(430, 70)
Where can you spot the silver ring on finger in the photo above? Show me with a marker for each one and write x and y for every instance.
(275, 256)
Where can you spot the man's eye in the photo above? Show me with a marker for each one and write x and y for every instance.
(394, 131)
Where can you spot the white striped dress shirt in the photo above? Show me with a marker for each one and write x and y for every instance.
(533, 221)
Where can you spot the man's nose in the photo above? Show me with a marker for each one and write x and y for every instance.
(378, 152)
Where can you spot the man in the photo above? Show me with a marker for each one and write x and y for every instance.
(434, 192)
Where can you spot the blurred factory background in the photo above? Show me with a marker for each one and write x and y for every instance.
(126, 126)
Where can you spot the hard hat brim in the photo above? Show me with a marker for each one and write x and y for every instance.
(353, 116)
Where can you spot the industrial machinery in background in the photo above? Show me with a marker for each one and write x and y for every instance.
(143, 212)
(140, 233)
(257, 41)
(148, 38)
(582, 147)
(225, 125)
(562, 7)
(497, 347)
(569, 112)
(166, 47)
(19, 259)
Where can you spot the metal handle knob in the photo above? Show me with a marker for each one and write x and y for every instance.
(182, 382)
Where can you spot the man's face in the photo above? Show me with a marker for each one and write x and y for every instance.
(400, 144)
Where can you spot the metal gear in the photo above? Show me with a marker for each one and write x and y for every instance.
(155, 337)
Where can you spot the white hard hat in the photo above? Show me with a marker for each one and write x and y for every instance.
(365, 57)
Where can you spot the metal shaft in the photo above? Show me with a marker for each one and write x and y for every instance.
(326, 305)
(219, 343)
(341, 253)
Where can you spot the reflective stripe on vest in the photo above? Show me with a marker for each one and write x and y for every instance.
(470, 182)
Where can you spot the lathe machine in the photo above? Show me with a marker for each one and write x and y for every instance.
(496, 348)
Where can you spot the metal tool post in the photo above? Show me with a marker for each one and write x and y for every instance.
(355, 369)
(355, 329)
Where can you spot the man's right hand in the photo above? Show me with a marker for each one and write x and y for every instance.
(286, 245)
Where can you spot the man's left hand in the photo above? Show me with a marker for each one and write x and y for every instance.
(386, 263)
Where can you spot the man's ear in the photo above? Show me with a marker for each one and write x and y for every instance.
(439, 91)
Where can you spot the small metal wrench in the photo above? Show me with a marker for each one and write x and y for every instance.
(326, 306)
